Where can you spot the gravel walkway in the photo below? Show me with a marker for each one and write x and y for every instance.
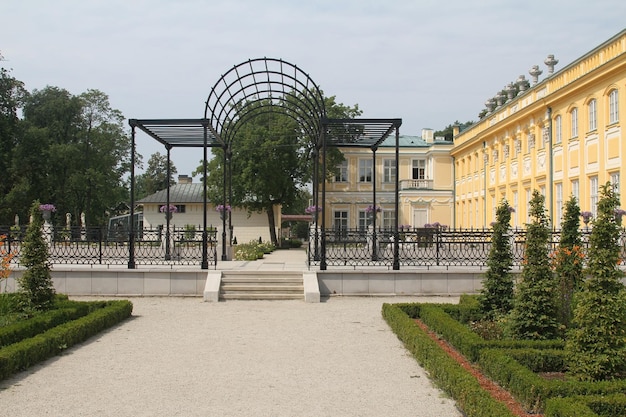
(184, 357)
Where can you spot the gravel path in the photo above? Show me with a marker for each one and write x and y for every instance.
(184, 357)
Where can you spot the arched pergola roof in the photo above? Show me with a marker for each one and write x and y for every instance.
(266, 81)
(248, 90)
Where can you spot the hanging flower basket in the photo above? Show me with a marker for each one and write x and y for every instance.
(47, 210)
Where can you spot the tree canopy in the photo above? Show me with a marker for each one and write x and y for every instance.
(67, 150)
(272, 158)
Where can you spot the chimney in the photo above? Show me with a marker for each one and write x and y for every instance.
(184, 179)
(427, 135)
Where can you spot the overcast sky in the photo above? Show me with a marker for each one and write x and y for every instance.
(427, 62)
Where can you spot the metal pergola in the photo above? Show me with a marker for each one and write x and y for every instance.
(247, 91)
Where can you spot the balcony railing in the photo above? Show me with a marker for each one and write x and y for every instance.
(423, 184)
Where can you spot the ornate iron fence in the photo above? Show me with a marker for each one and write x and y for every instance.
(421, 247)
(101, 246)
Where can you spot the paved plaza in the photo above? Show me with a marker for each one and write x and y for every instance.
(184, 357)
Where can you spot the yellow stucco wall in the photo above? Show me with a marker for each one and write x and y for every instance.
(518, 147)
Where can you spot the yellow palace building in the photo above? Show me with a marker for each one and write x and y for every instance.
(561, 135)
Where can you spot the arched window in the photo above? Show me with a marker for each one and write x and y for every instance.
(593, 115)
(613, 107)
(557, 129)
(574, 120)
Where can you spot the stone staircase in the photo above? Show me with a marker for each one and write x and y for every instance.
(261, 285)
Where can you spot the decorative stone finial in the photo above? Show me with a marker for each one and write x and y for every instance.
(551, 62)
(535, 72)
(522, 83)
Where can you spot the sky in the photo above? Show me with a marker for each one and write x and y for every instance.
(428, 62)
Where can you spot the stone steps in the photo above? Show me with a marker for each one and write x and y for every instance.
(261, 285)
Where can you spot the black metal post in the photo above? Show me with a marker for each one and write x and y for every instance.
(224, 256)
(205, 259)
(131, 222)
(323, 265)
(167, 207)
(396, 235)
(374, 207)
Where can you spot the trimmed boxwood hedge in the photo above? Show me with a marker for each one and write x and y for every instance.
(29, 351)
(531, 389)
(587, 406)
(446, 372)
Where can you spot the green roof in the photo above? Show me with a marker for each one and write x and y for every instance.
(179, 193)
(406, 141)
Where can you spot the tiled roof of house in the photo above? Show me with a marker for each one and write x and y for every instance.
(179, 193)
(406, 141)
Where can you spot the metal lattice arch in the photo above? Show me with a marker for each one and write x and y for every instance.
(232, 101)
(248, 90)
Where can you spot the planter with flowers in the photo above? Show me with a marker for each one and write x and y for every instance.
(168, 210)
(587, 216)
(312, 210)
(372, 211)
(223, 210)
(47, 210)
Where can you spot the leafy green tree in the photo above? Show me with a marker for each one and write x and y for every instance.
(496, 296)
(534, 308)
(12, 96)
(155, 177)
(35, 284)
(73, 152)
(596, 345)
(568, 261)
(272, 158)
(448, 131)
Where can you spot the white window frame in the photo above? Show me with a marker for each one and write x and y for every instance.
(614, 178)
(558, 193)
(389, 219)
(593, 195)
(574, 119)
(418, 169)
(593, 115)
(613, 106)
(365, 170)
(558, 129)
(576, 190)
(342, 172)
(389, 170)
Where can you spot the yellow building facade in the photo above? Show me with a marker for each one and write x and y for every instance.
(426, 184)
(561, 135)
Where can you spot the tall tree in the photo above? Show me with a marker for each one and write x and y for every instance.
(496, 296)
(73, 152)
(12, 97)
(155, 177)
(534, 314)
(272, 157)
(596, 345)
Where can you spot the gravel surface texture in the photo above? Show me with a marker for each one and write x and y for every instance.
(185, 357)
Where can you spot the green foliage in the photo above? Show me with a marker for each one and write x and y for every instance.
(447, 373)
(29, 351)
(36, 282)
(587, 406)
(155, 177)
(497, 292)
(535, 310)
(68, 150)
(252, 250)
(568, 262)
(597, 341)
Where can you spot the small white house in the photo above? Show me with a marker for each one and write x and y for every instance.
(188, 199)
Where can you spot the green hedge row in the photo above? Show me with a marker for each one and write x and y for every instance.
(21, 355)
(587, 406)
(62, 313)
(531, 389)
(447, 373)
(447, 321)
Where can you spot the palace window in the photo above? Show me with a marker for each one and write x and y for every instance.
(342, 172)
(557, 129)
(613, 107)
(576, 190)
(574, 120)
(593, 195)
(389, 170)
(419, 169)
(593, 122)
(558, 191)
(365, 170)
(340, 222)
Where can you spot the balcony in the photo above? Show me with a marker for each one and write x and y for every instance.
(423, 184)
